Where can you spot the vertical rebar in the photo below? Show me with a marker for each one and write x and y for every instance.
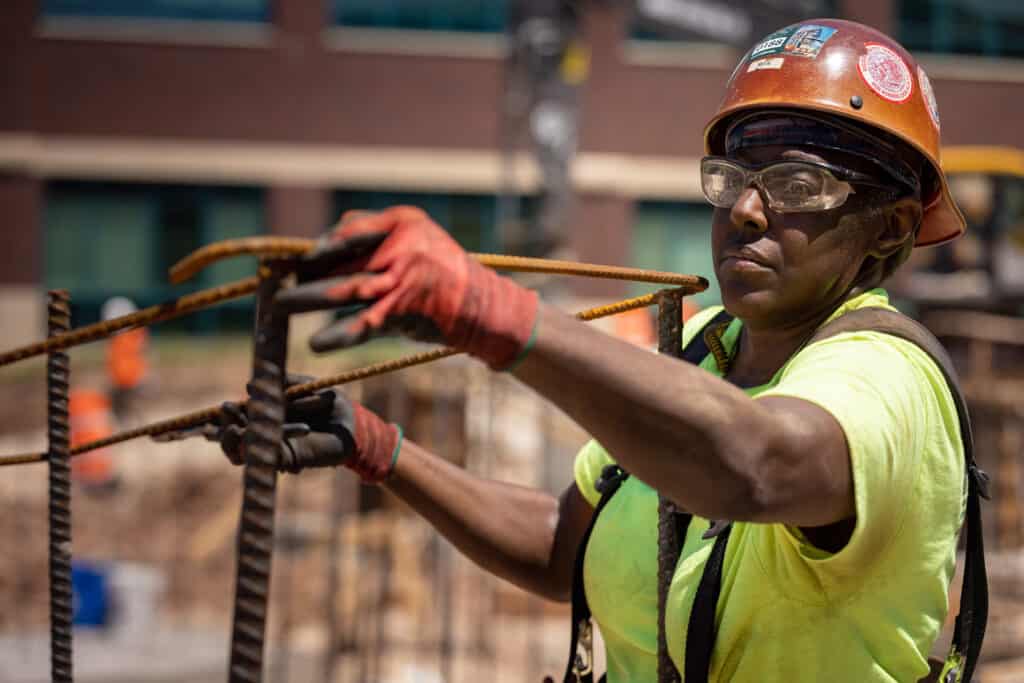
(670, 342)
(262, 447)
(58, 368)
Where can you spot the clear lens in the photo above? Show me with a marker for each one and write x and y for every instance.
(722, 182)
(789, 186)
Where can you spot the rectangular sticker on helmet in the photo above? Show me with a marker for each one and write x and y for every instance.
(804, 40)
(767, 63)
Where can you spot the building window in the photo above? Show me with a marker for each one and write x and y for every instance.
(201, 10)
(706, 21)
(479, 16)
(675, 236)
(981, 27)
(119, 239)
(470, 218)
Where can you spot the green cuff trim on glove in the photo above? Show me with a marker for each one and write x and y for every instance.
(527, 348)
(398, 447)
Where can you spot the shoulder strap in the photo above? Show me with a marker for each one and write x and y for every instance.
(969, 629)
(579, 668)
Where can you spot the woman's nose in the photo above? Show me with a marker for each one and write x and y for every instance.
(748, 211)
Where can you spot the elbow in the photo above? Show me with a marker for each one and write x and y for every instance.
(745, 490)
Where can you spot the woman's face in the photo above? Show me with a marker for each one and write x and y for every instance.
(780, 269)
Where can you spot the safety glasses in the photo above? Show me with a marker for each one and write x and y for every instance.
(789, 186)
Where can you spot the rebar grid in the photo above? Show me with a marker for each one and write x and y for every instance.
(296, 391)
(58, 367)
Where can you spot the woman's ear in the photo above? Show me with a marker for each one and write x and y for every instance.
(901, 220)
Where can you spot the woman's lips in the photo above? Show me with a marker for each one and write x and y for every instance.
(744, 259)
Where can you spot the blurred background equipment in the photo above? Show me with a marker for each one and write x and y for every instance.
(134, 132)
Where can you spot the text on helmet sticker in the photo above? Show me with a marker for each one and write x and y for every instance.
(885, 72)
(929, 96)
(804, 40)
(767, 63)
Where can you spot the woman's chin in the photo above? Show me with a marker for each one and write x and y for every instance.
(748, 304)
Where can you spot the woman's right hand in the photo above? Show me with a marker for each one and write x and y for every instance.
(324, 429)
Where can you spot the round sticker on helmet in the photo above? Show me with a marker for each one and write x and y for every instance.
(929, 96)
(885, 72)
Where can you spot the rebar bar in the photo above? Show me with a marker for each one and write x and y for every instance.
(670, 331)
(297, 391)
(280, 247)
(261, 448)
(168, 310)
(58, 367)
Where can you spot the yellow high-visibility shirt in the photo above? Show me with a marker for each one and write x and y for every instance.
(789, 612)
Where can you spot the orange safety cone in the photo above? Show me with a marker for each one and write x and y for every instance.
(91, 419)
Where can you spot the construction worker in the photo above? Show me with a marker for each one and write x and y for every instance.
(127, 366)
(840, 461)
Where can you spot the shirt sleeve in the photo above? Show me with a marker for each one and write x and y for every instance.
(898, 417)
(590, 461)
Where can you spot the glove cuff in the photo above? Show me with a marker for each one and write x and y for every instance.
(500, 318)
(377, 444)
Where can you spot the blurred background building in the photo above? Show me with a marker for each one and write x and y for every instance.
(134, 131)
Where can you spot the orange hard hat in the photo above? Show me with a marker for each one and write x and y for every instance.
(851, 71)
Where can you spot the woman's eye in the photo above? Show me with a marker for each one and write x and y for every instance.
(797, 187)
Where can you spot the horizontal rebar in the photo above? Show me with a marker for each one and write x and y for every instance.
(294, 246)
(168, 310)
(208, 414)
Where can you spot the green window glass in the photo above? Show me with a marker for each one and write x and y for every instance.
(202, 10)
(982, 27)
(470, 218)
(482, 16)
(114, 239)
(675, 236)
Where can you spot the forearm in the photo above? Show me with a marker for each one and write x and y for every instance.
(697, 439)
(506, 529)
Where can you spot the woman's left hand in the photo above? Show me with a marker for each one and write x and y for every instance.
(399, 271)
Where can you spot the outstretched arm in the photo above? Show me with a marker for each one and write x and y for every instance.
(524, 535)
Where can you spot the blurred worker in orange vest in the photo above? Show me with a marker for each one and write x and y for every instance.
(126, 358)
(90, 420)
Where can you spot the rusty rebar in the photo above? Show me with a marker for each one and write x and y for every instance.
(293, 246)
(280, 247)
(168, 310)
(58, 368)
(262, 449)
(297, 391)
(670, 342)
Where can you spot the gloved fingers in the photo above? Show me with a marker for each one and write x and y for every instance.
(294, 430)
(354, 329)
(313, 410)
(355, 223)
(350, 331)
(338, 255)
(351, 293)
(231, 443)
(233, 413)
